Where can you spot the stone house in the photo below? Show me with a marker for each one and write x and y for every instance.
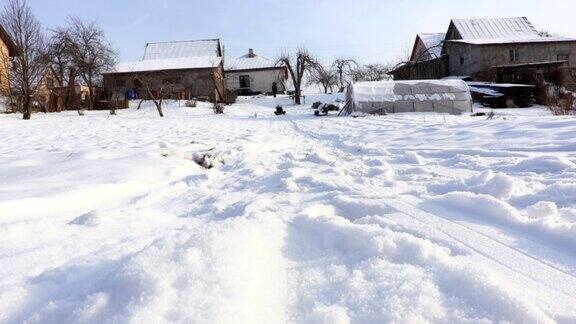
(8, 49)
(497, 50)
(253, 74)
(173, 70)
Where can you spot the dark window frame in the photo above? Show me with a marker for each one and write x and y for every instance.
(514, 56)
(244, 81)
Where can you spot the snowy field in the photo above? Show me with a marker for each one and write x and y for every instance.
(402, 218)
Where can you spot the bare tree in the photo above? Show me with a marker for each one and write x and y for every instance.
(377, 72)
(60, 60)
(324, 76)
(343, 67)
(29, 66)
(298, 66)
(371, 72)
(90, 53)
(156, 85)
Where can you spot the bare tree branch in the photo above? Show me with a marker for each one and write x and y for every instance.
(327, 77)
(343, 67)
(90, 53)
(298, 66)
(371, 72)
(29, 66)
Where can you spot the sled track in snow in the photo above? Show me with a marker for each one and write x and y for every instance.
(402, 208)
(524, 264)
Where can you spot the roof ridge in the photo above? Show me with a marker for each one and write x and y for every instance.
(491, 18)
(185, 41)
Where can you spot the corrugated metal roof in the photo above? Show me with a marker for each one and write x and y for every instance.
(433, 43)
(166, 50)
(183, 63)
(509, 40)
(250, 63)
(516, 28)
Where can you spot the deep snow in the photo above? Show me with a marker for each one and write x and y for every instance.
(400, 218)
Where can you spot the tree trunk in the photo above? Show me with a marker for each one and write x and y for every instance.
(140, 104)
(157, 103)
(159, 108)
(27, 109)
(297, 94)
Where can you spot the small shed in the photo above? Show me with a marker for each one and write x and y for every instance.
(385, 97)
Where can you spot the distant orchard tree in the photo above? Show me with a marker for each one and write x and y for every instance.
(156, 85)
(29, 66)
(59, 59)
(327, 77)
(343, 68)
(298, 65)
(90, 53)
(371, 72)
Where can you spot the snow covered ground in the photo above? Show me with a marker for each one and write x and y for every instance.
(401, 218)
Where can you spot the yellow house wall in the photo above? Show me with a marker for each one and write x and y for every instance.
(4, 69)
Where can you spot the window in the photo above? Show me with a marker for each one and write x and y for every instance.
(244, 82)
(563, 57)
(461, 60)
(514, 57)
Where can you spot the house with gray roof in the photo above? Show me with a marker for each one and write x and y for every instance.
(181, 69)
(251, 73)
(496, 50)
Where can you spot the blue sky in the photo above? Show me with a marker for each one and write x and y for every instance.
(368, 30)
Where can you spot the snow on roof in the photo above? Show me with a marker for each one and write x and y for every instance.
(184, 63)
(417, 90)
(508, 40)
(248, 62)
(165, 50)
(490, 28)
(433, 42)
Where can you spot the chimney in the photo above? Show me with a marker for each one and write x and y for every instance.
(251, 53)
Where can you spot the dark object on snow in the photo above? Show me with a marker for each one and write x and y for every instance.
(324, 109)
(316, 105)
(279, 111)
(497, 95)
(478, 114)
(274, 89)
(208, 160)
(332, 107)
(218, 108)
